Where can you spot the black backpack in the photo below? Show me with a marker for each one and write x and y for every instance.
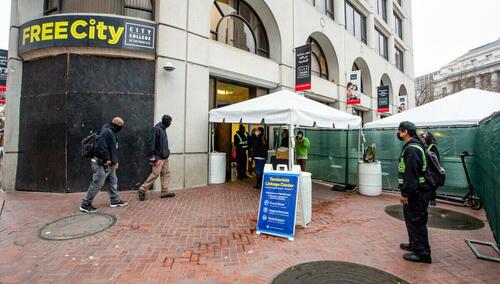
(435, 174)
(87, 146)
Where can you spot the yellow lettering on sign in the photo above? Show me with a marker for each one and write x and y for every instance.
(92, 29)
(47, 29)
(26, 34)
(61, 30)
(35, 33)
(74, 31)
(100, 30)
(115, 34)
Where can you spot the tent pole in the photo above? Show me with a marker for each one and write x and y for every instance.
(291, 147)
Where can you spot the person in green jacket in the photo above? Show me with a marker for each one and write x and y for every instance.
(302, 144)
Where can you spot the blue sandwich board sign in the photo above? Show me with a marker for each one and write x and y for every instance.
(278, 204)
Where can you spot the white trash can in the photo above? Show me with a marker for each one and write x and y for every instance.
(217, 174)
(370, 178)
(304, 203)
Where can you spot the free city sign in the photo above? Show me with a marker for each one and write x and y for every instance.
(87, 31)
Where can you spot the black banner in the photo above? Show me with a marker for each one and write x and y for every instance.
(383, 99)
(87, 30)
(3, 69)
(303, 67)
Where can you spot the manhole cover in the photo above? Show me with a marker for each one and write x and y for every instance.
(76, 226)
(441, 218)
(334, 272)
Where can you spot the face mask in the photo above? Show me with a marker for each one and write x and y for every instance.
(117, 128)
(399, 136)
(257, 133)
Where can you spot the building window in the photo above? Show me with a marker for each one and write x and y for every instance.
(489, 56)
(399, 2)
(355, 22)
(51, 7)
(329, 8)
(398, 26)
(382, 8)
(444, 91)
(318, 65)
(381, 46)
(142, 9)
(235, 23)
(399, 59)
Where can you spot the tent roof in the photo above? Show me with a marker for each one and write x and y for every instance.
(283, 107)
(467, 107)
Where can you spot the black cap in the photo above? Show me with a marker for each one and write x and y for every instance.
(406, 125)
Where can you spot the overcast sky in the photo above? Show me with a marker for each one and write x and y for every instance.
(442, 29)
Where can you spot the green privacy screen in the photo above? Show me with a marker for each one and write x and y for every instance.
(485, 173)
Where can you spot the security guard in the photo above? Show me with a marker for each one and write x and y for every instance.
(241, 144)
(415, 194)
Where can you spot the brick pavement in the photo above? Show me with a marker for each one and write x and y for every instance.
(207, 235)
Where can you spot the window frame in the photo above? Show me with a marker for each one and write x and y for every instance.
(381, 11)
(400, 64)
(50, 10)
(362, 36)
(398, 26)
(385, 44)
(330, 12)
(56, 9)
(323, 75)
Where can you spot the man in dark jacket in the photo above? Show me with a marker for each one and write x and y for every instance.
(104, 166)
(158, 156)
(415, 194)
(241, 144)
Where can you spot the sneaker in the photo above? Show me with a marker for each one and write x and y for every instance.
(88, 208)
(142, 195)
(118, 203)
(167, 195)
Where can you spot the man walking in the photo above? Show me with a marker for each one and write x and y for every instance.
(241, 144)
(104, 166)
(415, 194)
(158, 157)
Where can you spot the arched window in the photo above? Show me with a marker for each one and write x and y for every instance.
(142, 9)
(235, 23)
(318, 63)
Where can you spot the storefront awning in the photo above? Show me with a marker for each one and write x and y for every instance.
(285, 107)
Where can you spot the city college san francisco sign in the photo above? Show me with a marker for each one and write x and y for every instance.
(87, 31)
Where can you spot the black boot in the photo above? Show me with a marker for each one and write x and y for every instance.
(142, 195)
(418, 257)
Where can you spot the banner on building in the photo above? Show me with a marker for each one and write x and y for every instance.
(87, 31)
(303, 68)
(383, 99)
(353, 89)
(3, 69)
(278, 202)
(402, 103)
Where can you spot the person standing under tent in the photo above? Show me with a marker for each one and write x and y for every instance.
(259, 151)
(302, 145)
(241, 145)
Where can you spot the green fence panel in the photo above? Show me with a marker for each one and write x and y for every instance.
(485, 173)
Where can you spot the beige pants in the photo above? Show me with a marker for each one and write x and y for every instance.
(161, 170)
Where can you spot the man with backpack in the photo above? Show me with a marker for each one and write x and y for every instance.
(415, 193)
(159, 152)
(104, 164)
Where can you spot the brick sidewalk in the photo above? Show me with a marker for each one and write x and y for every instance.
(207, 235)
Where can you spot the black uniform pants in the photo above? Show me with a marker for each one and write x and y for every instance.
(415, 213)
(241, 163)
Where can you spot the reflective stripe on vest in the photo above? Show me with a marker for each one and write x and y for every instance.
(242, 144)
(402, 166)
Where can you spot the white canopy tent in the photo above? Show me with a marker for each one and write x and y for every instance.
(285, 107)
(467, 107)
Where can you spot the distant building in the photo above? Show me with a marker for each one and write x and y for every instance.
(479, 68)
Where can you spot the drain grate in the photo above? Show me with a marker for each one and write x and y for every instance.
(76, 226)
(441, 218)
(334, 272)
